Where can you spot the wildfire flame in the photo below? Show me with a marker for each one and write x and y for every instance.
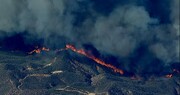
(169, 76)
(97, 60)
(38, 50)
(82, 52)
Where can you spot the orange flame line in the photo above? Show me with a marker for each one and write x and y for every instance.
(99, 61)
(38, 50)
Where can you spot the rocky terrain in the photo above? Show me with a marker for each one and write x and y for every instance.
(68, 73)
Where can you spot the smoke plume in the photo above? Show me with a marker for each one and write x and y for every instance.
(114, 27)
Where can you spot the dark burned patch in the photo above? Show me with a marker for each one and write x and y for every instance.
(19, 42)
(144, 63)
(176, 65)
(91, 49)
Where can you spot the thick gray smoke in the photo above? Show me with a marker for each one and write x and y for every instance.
(118, 31)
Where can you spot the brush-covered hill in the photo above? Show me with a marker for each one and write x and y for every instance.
(68, 73)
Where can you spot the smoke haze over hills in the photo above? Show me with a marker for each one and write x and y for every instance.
(115, 27)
